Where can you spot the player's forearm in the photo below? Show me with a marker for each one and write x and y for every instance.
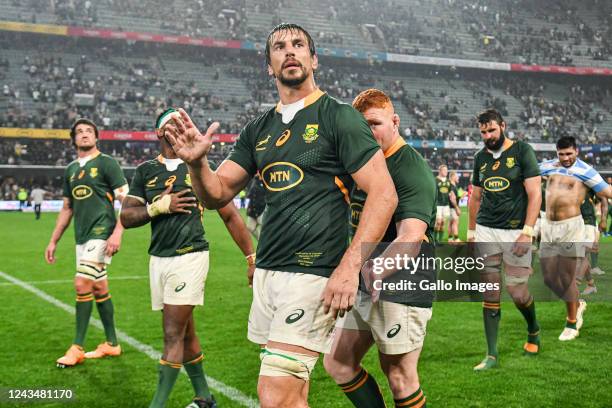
(605, 193)
(534, 202)
(133, 217)
(404, 246)
(377, 212)
(62, 222)
(473, 208)
(238, 230)
(118, 231)
(208, 187)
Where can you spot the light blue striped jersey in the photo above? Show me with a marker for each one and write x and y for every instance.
(580, 170)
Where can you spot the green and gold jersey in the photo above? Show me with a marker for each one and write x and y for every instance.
(504, 199)
(444, 189)
(90, 189)
(416, 191)
(415, 186)
(305, 166)
(587, 209)
(171, 234)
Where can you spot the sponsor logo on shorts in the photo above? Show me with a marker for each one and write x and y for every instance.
(90, 249)
(394, 330)
(279, 176)
(81, 192)
(180, 287)
(496, 184)
(295, 316)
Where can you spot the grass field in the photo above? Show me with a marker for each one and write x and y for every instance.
(36, 332)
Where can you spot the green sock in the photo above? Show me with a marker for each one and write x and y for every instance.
(491, 314)
(167, 377)
(84, 305)
(416, 399)
(571, 325)
(363, 391)
(107, 311)
(197, 376)
(594, 259)
(529, 313)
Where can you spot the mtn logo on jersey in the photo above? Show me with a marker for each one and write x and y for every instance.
(356, 209)
(81, 192)
(281, 176)
(495, 184)
(311, 133)
(444, 190)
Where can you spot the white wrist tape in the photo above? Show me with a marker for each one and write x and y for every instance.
(161, 206)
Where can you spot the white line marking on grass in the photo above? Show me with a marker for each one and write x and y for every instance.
(230, 392)
(45, 282)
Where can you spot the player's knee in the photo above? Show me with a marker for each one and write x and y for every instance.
(339, 371)
(278, 398)
(83, 285)
(173, 335)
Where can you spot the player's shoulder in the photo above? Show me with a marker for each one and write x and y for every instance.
(259, 121)
(523, 146)
(106, 158)
(408, 162)
(148, 165)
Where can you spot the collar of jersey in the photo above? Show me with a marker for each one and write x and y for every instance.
(87, 159)
(309, 100)
(503, 149)
(395, 147)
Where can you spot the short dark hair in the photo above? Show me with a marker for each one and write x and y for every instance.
(490, 115)
(289, 27)
(82, 121)
(566, 141)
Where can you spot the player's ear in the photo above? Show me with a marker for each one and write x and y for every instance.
(396, 121)
(315, 62)
(270, 71)
(160, 133)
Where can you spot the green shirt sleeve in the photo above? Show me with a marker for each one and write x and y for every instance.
(416, 188)
(476, 171)
(137, 185)
(528, 162)
(243, 152)
(66, 193)
(355, 143)
(113, 174)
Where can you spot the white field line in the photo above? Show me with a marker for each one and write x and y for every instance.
(230, 392)
(53, 281)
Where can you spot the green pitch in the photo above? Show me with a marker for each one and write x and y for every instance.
(36, 332)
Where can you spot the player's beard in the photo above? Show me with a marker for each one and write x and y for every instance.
(497, 144)
(293, 82)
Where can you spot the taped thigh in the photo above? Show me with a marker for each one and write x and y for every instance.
(283, 363)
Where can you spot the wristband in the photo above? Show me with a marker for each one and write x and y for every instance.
(251, 259)
(471, 234)
(528, 230)
(161, 206)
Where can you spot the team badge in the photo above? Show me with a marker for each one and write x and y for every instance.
(495, 165)
(188, 179)
(283, 138)
(510, 162)
(93, 172)
(311, 133)
(261, 145)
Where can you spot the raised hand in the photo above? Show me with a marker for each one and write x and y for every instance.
(186, 140)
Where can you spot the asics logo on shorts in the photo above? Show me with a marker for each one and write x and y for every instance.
(180, 287)
(394, 330)
(90, 249)
(295, 316)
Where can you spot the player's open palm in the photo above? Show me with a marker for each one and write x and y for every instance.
(186, 140)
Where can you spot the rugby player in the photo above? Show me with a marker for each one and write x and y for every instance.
(308, 150)
(443, 201)
(588, 213)
(256, 206)
(563, 234)
(502, 212)
(92, 183)
(455, 211)
(161, 193)
(397, 326)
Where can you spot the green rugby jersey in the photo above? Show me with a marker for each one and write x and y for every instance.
(171, 234)
(504, 199)
(90, 191)
(444, 189)
(587, 209)
(305, 166)
(415, 186)
(416, 190)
